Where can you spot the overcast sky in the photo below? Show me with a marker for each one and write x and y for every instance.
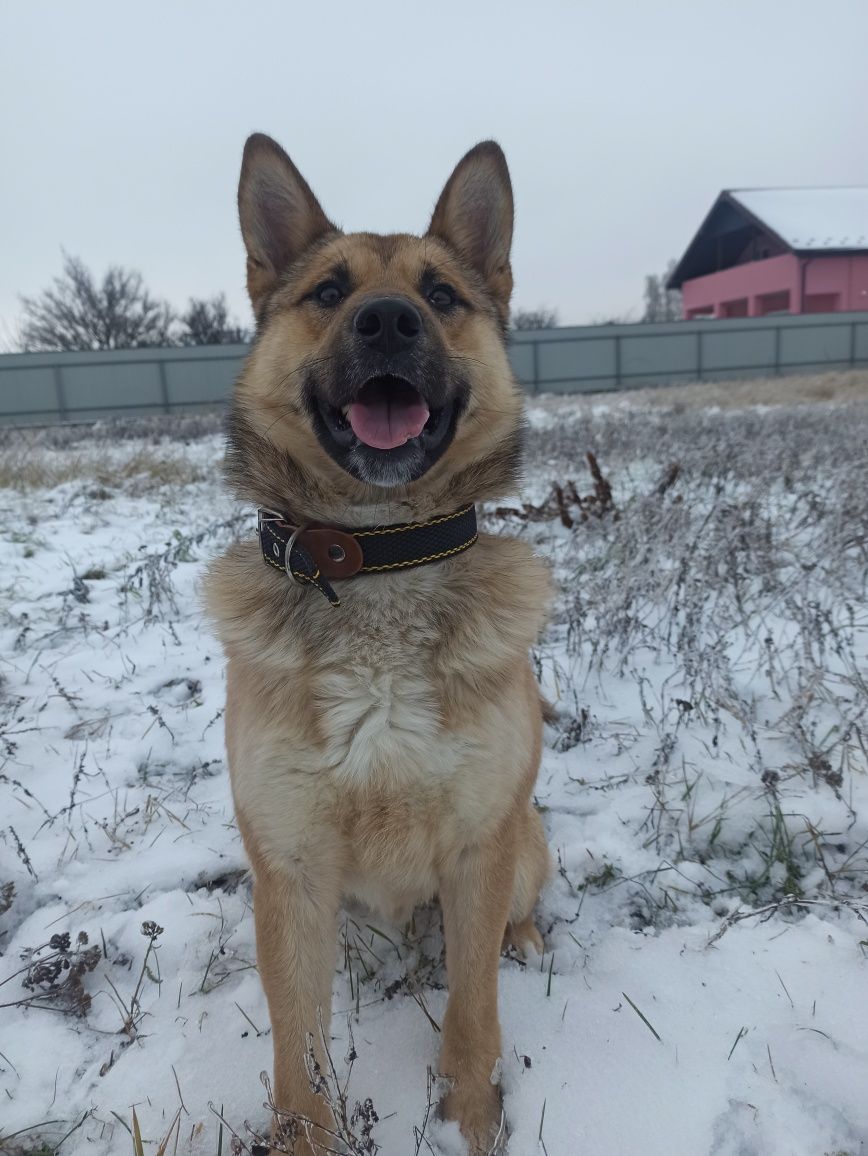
(122, 124)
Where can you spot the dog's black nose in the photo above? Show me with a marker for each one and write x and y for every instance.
(388, 324)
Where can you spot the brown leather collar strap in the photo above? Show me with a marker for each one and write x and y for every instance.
(313, 554)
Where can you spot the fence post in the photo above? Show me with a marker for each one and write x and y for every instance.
(164, 385)
(699, 336)
(58, 389)
(617, 360)
(777, 351)
(852, 344)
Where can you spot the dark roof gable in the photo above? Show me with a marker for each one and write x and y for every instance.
(721, 239)
(748, 224)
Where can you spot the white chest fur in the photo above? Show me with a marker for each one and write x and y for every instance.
(382, 722)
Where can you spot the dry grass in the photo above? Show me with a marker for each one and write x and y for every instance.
(26, 469)
(132, 454)
(735, 394)
(804, 389)
(109, 431)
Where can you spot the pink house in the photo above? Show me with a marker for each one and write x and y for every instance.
(763, 251)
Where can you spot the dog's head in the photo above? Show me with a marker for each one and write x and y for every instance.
(379, 376)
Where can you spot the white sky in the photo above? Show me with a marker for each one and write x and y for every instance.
(121, 126)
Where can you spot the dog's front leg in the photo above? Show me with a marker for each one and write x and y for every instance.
(295, 909)
(475, 894)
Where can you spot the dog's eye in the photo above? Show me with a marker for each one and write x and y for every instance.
(328, 294)
(442, 296)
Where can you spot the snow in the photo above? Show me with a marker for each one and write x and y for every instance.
(819, 218)
(708, 761)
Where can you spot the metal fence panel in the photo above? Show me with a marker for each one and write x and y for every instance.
(522, 359)
(191, 383)
(830, 345)
(95, 386)
(732, 351)
(28, 391)
(562, 362)
(660, 356)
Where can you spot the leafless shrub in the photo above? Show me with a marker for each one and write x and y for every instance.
(541, 318)
(151, 580)
(53, 975)
(352, 1121)
(206, 321)
(78, 313)
(565, 501)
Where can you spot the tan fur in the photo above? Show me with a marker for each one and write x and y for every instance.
(386, 750)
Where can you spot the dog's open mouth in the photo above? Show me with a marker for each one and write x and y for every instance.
(386, 413)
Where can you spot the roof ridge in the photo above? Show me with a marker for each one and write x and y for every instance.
(795, 189)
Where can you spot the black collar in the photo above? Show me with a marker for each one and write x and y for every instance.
(311, 554)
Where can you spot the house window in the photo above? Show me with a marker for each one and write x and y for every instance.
(773, 303)
(821, 303)
(734, 308)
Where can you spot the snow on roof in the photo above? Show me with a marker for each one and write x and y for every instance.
(811, 218)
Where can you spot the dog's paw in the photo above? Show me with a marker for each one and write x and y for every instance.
(524, 938)
(478, 1112)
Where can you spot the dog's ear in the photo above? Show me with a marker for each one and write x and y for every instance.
(280, 217)
(474, 217)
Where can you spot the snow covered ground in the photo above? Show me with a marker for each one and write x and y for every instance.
(705, 790)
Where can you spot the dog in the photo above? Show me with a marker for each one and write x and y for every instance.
(383, 722)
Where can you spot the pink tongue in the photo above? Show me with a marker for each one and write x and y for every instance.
(385, 422)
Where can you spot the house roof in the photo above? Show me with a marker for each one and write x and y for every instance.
(808, 220)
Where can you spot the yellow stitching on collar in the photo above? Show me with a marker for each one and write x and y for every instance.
(419, 561)
(409, 526)
(307, 578)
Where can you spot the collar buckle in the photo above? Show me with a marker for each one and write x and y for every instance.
(263, 514)
(287, 562)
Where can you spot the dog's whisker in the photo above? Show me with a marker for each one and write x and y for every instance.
(471, 360)
(302, 367)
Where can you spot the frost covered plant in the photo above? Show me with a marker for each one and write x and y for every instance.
(131, 1008)
(721, 588)
(353, 1121)
(53, 975)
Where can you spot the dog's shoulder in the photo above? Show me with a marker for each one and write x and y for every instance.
(493, 608)
(248, 603)
(503, 583)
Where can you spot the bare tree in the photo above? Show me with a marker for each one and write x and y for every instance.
(77, 313)
(613, 318)
(662, 304)
(207, 322)
(541, 318)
